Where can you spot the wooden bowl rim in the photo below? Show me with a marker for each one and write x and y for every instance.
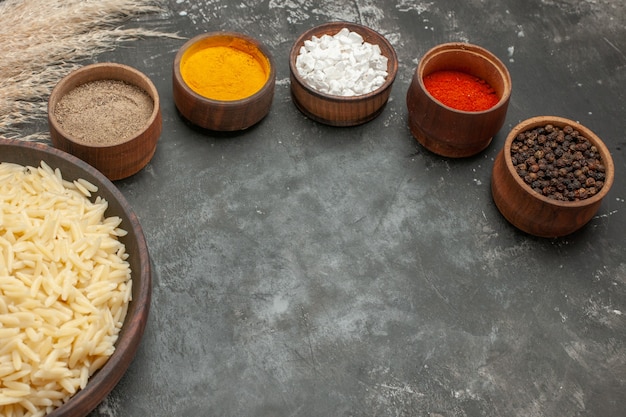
(101, 383)
(538, 121)
(474, 50)
(354, 27)
(267, 87)
(60, 90)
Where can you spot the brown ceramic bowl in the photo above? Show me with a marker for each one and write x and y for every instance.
(223, 115)
(338, 110)
(115, 160)
(532, 212)
(103, 381)
(447, 131)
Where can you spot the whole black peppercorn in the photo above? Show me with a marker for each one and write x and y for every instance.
(560, 136)
(581, 193)
(559, 163)
(573, 185)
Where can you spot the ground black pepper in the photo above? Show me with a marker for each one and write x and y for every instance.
(561, 164)
(104, 112)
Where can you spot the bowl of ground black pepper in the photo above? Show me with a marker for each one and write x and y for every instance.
(551, 176)
(108, 115)
(458, 99)
(341, 73)
(223, 81)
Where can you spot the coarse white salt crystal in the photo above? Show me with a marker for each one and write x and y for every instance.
(342, 64)
(307, 62)
(355, 38)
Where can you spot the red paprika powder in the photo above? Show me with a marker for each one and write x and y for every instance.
(460, 90)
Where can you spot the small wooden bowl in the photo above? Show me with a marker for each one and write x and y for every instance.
(338, 110)
(105, 379)
(447, 131)
(119, 160)
(222, 115)
(533, 212)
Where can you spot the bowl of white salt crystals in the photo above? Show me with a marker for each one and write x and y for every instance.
(341, 73)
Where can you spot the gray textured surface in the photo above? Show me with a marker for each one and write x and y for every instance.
(304, 270)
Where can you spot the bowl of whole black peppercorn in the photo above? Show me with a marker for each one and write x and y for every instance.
(551, 176)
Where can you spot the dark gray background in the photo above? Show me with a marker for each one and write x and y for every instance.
(305, 270)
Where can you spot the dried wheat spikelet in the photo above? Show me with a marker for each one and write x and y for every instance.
(41, 41)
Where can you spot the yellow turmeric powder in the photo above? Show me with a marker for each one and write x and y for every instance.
(225, 72)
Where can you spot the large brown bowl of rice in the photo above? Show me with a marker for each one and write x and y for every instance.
(75, 283)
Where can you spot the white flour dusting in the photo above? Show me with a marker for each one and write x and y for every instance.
(414, 6)
(109, 407)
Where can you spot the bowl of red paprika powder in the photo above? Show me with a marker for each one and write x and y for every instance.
(458, 99)
(551, 176)
(223, 81)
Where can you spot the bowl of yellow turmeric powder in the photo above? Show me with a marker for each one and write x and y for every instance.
(223, 81)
